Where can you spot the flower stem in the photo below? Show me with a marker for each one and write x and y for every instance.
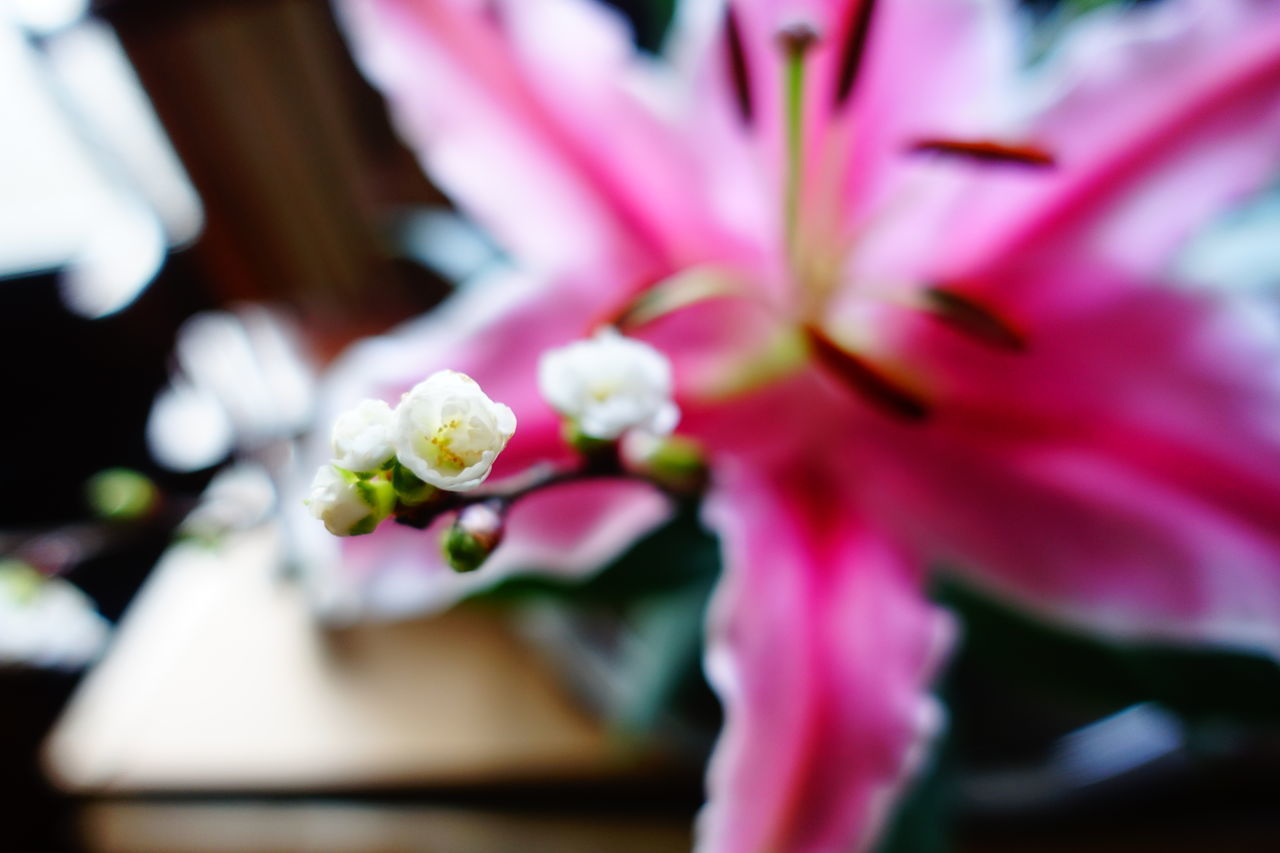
(592, 467)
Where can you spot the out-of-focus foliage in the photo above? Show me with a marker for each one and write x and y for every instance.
(1200, 684)
(678, 564)
(677, 555)
(120, 494)
(658, 590)
(1089, 5)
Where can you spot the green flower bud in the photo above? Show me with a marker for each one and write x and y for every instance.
(473, 536)
(584, 444)
(674, 462)
(19, 580)
(120, 494)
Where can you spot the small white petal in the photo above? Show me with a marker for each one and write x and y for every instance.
(609, 384)
(448, 432)
(362, 437)
(664, 420)
(337, 501)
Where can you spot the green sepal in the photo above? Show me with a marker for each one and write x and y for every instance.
(378, 494)
(409, 487)
(366, 525)
(679, 464)
(379, 469)
(587, 445)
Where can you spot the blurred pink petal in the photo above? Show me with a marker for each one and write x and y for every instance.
(538, 119)
(1159, 118)
(1119, 474)
(823, 647)
(953, 58)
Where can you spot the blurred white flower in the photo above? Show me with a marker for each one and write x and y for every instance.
(237, 498)
(609, 384)
(448, 432)
(347, 505)
(46, 622)
(362, 437)
(243, 382)
(188, 428)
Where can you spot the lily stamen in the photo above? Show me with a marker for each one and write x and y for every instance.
(987, 151)
(739, 76)
(795, 40)
(974, 319)
(866, 379)
(854, 50)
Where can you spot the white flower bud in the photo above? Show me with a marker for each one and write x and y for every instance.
(448, 432)
(609, 384)
(362, 437)
(347, 505)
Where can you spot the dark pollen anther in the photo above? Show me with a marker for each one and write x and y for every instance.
(796, 38)
(738, 73)
(987, 151)
(853, 51)
(866, 379)
(972, 318)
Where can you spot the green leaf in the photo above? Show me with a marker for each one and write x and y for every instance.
(659, 591)
(921, 821)
(1079, 6)
(675, 556)
(653, 20)
(1199, 683)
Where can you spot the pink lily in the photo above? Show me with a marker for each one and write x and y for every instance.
(938, 337)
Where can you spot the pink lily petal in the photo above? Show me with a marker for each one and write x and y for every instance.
(1159, 119)
(901, 97)
(1123, 473)
(858, 123)
(494, 331)
(536, 116)
(821, 648)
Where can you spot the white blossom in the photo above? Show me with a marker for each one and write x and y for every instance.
(609, 384)
(448, 432)
(347, 505)
(362, 437)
